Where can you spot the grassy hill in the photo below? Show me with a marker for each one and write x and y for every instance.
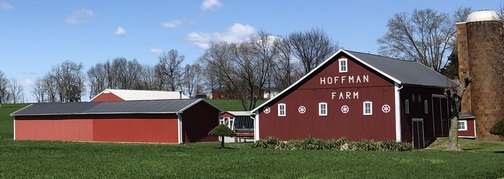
(6, 121)
(231, 104)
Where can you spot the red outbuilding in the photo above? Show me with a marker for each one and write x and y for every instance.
(360, 96)
(157, 121)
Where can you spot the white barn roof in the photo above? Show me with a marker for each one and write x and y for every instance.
(131, 95)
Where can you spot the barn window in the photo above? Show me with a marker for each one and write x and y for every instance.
(426, 106)
(322, 109)
(281, 109)
(406, 106)
(368, 108)
(462, 125)
(343, 65)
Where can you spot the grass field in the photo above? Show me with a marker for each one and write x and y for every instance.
(45, 159)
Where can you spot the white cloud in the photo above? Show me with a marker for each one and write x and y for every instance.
(156, 51)
(120, 31)
(234, 34)
(171, 24)
(5, 5)
(210, 5)
(80, 16)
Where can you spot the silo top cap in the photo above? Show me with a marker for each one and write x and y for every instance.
(483, 15)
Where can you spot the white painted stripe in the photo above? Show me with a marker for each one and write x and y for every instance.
(179, 128)
(397, 111)
(14, 129)
(256, 127)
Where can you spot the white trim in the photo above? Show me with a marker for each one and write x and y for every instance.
(370, 108)
(180, 140)
(320, 109)
(346, 65)
(475, 132)
(397, 101)
(465, 125)
(284, 109)
(320, 66)
(14, 137)
(433, 117)
(256, 127)
(438, 96)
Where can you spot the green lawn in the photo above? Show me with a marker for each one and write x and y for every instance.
(6, 122)
(45, 159)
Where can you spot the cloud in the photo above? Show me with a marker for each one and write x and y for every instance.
(120, 31)
(171, 24)
(156, 51)
(210, 5)
(5, 5)
(80, 16)
(234, 34)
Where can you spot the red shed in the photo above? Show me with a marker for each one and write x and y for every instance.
(158, 121)
(359, 96)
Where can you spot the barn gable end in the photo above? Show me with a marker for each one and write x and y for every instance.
(351, 94)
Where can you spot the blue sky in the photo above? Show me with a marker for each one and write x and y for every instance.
(36, 35)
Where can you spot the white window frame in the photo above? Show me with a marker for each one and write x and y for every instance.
(364, 112)
(282, 112)
(426, 106)
(341, 69)
(465, 125)
(406, 106)
(323, 111)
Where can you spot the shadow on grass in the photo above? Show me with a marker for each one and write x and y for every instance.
(469, 149)
(225, 148)
(499, 152)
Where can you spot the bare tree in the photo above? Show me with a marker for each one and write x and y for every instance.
(69, 81)
(15, 89)
(169, 70)
(192, 79)
(311, 47)
(285, 71)
(148, 78)
(39, 91)
(97, 76)
(424, 36)
(4, 93)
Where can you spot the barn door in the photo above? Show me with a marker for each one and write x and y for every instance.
(418, 133)
(440, 115)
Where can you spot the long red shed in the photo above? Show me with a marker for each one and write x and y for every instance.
(360, 96)
(157, 121)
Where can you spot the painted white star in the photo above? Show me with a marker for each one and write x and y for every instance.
(345, 109)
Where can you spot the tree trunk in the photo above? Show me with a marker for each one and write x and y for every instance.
(453, 135)
(222, 142)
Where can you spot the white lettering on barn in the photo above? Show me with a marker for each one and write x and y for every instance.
(344, 79)
(345, 95)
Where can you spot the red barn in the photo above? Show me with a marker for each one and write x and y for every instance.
(360, 96)
(132, 95)
(158, 121)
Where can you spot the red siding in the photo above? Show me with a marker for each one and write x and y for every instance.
(197, 121)
(111, 128)
(470, 133)
(353, 125)
(105, 97)
(66, 130)
(136, 130)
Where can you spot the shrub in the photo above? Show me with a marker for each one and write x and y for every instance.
(312, 143)
(498, 128)
(221, 130)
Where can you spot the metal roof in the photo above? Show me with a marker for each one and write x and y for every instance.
(130, 95)
(483, 15)
(120, 107)
(400, 71)
(403, 72)
(240, 113)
